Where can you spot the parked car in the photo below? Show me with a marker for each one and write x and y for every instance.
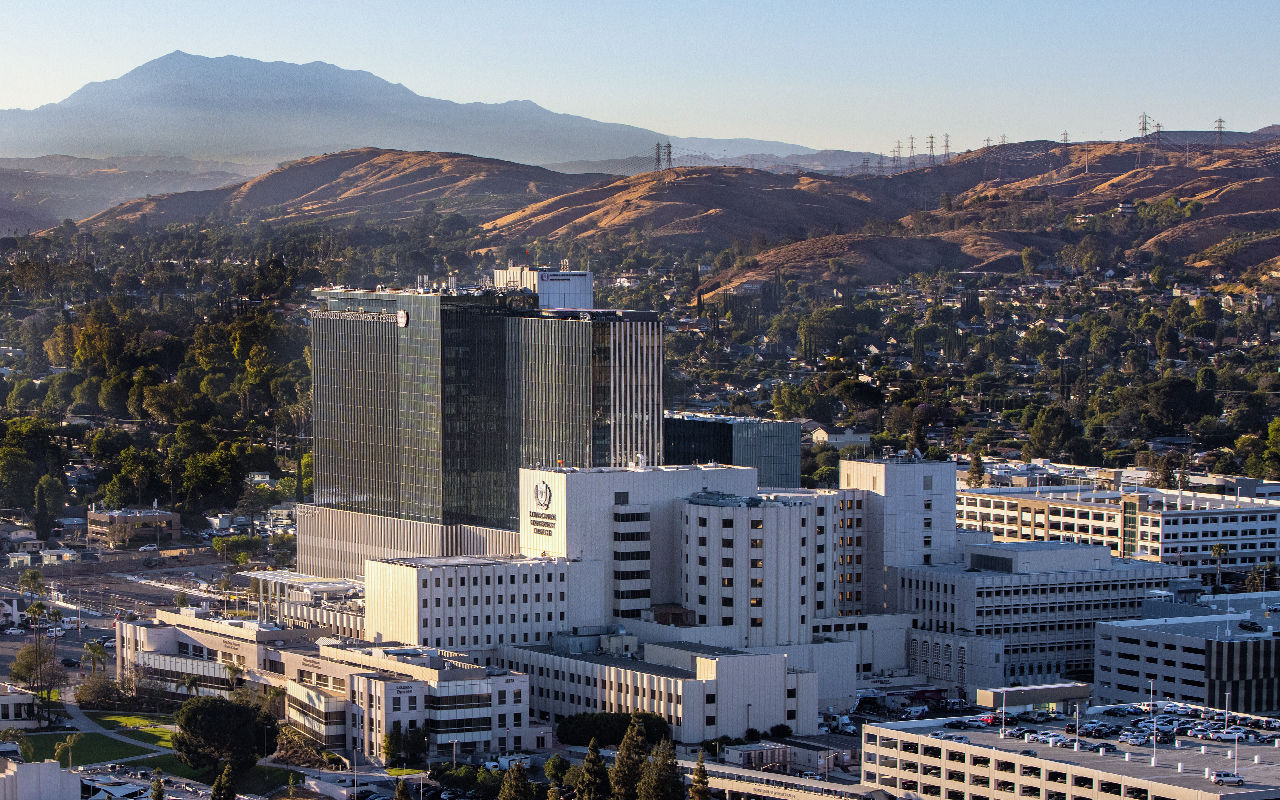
(14, 632)
(1220, 777)
(148, 548)
(1104, 747)
(70, 663)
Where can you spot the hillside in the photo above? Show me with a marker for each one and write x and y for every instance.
(697, 206)
(259, 113)
(374, 184)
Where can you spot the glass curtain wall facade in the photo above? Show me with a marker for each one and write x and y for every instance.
(427, 405)
(356, 411)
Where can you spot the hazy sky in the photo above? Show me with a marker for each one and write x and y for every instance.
(851, 75)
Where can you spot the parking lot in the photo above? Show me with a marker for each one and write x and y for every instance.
(1125, 745)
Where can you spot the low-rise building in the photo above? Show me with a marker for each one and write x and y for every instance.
(17, 707)
(144, 524)
(344, 693)
(39, 780)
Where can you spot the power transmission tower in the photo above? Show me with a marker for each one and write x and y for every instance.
(866, 166)
(1003, 140)
(657, 157)
(1154, 152)
(666, 152)
(911, 152)
(1065, 139)
(988, 140)
(1143, 121)
(946, 147)
(897, 156)
(932, 159)
(880, 164)
(1217, 127)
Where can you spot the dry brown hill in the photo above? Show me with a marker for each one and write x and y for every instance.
(375, 184)
(698, 206)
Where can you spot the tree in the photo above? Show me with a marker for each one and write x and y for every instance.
(223, 788)
(699, 786)
(593, 783)
(516, 784)
(1219, 552)
(44, 511)
(402, 790)
(555, 768)
(191, 683)
(214, 729)
(32, 582)
(98, 690)
(662, 778)
(34, 667)
(977, 474)
(780, 731)
(64, 748)
(96, 654)
(157, 786)
(628, 764)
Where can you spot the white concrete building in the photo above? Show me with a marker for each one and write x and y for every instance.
(702, 691)
(40, 780)
(909, 513)
(556, 288)
(1019, 611)
(477, 603)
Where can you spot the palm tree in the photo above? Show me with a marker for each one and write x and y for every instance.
(272, 697)
(233, 673)
(65, 746)
(191, 683)
(32, 581)
(96, 654)
(1219, 552)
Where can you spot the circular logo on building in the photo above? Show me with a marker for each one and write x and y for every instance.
(402, 318)
(542, 495)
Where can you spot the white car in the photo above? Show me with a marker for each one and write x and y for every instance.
(14, 632)
(55, 633)
(148, 548)
(1220, 777)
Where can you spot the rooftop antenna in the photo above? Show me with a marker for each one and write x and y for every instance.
(932, 159)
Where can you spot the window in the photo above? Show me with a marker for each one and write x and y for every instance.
(726, 523)
(621, 498)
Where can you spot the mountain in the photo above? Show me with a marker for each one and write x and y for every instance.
(260, 113)
(371, 183)
(40, 192)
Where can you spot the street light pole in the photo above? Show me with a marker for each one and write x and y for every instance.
(1155, 735)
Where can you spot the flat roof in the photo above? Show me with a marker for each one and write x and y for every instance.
(604, 660)
(313, 582)
(701, 649)
(1263, 775)
(1218, 627)
(466, 561)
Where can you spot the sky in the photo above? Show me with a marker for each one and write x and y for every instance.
(853, 75)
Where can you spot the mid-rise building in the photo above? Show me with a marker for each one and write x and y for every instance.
(1019, 611)
(147, 525)
(702, 691)
(771, 446)
(1150, 524)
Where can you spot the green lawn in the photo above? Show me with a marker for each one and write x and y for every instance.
(113, 720)
(159, 737)
(259, 780)
(92, 749)
(404, 771)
